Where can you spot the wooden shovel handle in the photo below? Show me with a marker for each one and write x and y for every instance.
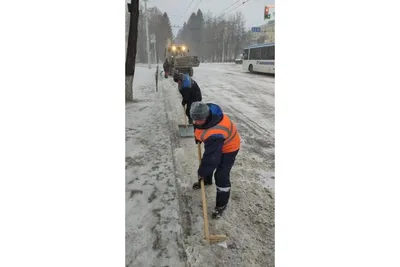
(203, 198)
(184, 115)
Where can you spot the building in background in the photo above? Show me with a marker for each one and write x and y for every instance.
(270, 31)
(266, 34)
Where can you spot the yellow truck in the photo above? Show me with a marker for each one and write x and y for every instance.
(179, 60)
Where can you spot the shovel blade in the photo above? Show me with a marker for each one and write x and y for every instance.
(186, 131)
(217, 238)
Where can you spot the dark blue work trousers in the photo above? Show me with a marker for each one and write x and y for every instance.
(222, 178)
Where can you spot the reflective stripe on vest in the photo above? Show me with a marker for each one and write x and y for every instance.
(228, 132)
(216, 127)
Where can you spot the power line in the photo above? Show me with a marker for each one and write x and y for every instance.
(239, 6)
(221, 13)
(230, 6)
(190, 28)
(184, 14)
(196, 6)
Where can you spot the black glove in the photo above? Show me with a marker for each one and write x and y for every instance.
(197, 141)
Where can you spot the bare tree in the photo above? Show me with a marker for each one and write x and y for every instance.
(133, 9)
(214, 37)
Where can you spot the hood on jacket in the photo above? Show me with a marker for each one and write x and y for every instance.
(214, 118)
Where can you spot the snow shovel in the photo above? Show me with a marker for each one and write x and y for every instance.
(185, 130)
(207, 236)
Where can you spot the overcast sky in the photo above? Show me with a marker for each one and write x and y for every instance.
(253, 10)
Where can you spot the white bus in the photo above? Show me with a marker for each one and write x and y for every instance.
(260, 58)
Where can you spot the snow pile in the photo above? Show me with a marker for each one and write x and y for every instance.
(153, 231)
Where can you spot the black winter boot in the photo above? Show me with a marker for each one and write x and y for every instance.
(197, 185)
(217, 212)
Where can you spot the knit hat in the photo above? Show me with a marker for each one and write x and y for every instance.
(177, 77)
(199, 111)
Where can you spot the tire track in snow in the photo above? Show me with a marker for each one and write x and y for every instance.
(256, 139)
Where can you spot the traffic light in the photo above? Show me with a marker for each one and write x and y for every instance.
(266, 13)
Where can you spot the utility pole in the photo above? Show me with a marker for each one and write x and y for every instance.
(153, 41)
(223, 46)
(223, 51)
(147, 32)
(155, 47)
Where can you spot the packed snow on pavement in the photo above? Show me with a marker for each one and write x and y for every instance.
(164, 221)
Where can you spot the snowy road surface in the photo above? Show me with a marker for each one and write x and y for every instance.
(164, 222)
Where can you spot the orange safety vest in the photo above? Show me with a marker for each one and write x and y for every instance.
(225, 127)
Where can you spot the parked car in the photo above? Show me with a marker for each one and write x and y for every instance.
(239, 60)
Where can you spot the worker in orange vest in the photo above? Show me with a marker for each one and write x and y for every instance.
(221, 145)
